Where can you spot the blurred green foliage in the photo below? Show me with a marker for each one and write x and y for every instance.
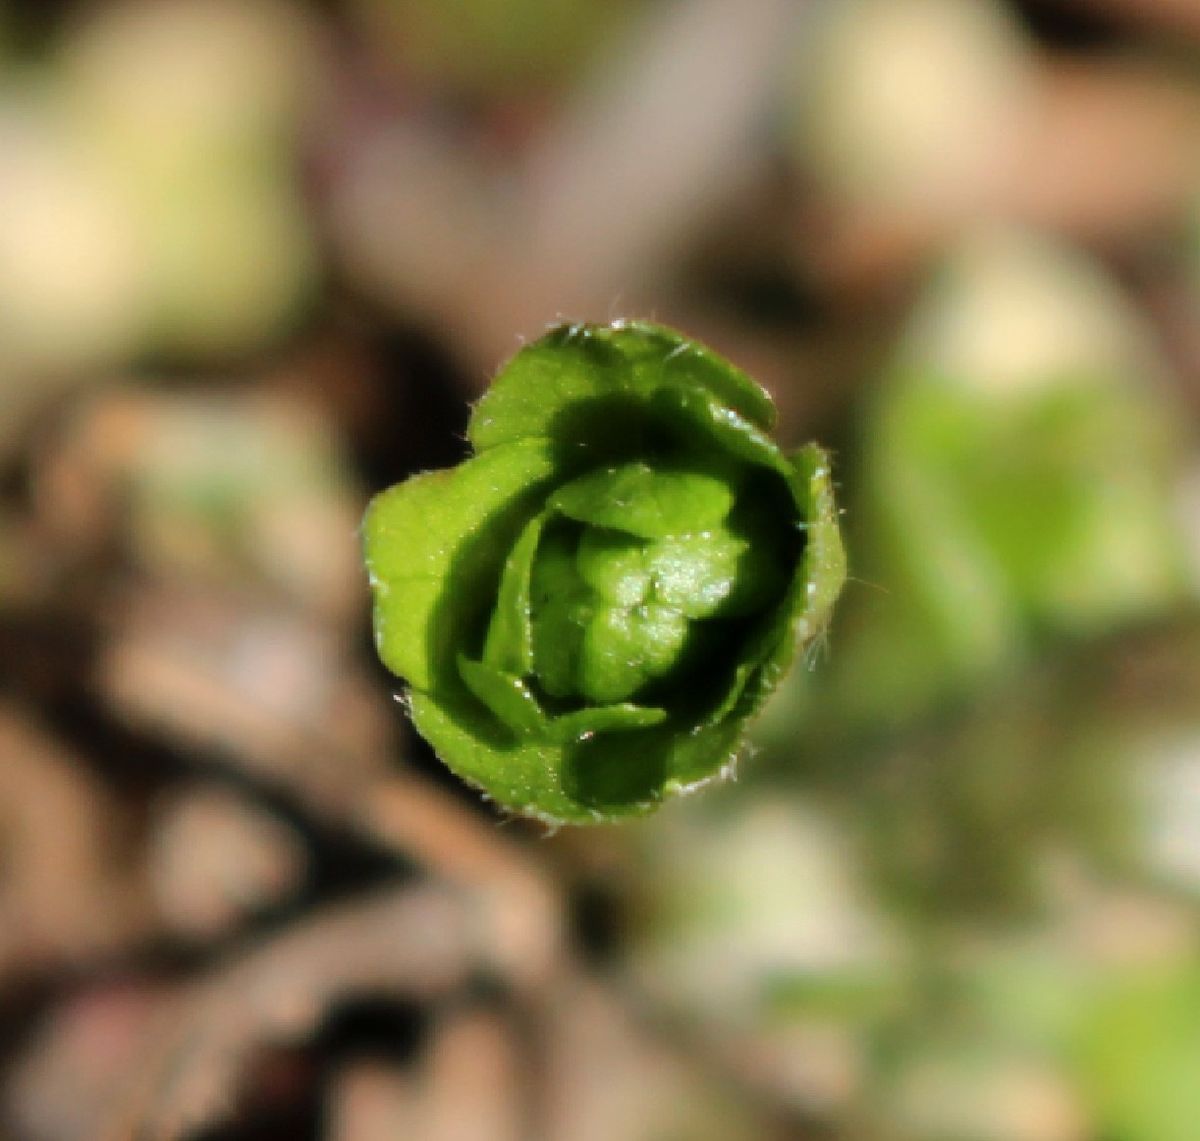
(1018, 460)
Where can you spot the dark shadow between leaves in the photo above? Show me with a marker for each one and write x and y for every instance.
(616, 770)
(616, 426)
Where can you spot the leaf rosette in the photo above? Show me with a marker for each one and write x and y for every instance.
(589, 610)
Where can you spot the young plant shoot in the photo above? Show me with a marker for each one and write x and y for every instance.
(588, 611)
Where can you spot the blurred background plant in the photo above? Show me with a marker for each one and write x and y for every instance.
(256, 258)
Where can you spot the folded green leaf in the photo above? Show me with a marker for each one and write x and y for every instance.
(541, 390)
(650, 501)
(437, 538)
(589, 611)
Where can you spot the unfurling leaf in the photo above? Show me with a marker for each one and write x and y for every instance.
(588, 612)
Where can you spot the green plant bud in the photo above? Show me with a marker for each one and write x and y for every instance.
(588, 612)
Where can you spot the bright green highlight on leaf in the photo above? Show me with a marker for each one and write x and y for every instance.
(589, 611)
